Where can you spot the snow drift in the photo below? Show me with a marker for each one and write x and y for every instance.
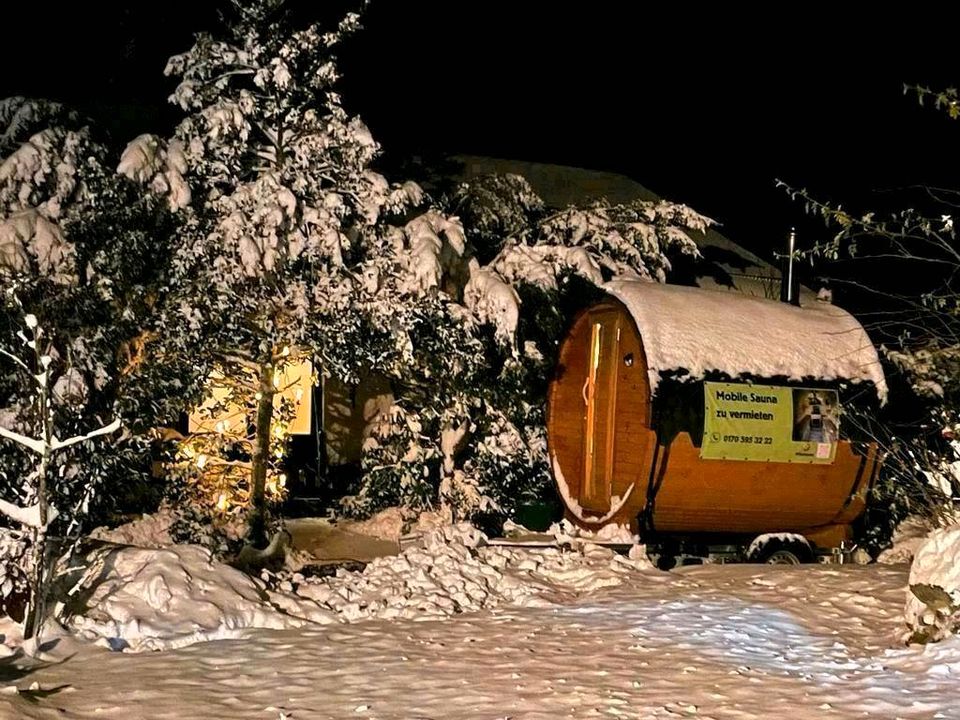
(148, 599)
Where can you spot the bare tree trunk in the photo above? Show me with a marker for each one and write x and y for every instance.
(38, 566)
(257, 527)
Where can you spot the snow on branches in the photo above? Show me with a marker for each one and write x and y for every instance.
(278, 245)
(149, 161)
(34, 512)
(501, 269)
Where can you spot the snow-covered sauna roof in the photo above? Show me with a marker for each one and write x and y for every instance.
(704, 330)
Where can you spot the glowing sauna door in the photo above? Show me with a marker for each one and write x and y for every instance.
(600, 396)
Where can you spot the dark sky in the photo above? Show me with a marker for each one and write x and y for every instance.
(704, 106)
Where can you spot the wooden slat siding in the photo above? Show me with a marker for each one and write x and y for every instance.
(635, 443)
(732, 496)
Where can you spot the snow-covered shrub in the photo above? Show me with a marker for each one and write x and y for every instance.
(505, 470)
(50, 489)
(399, 466)
(221, 535)
(914, 483)
(88, 252)
(933, 603)
(902, 266)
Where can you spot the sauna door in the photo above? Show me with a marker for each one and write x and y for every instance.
(599, 395)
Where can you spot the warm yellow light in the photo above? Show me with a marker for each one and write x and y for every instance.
(222, 502)
(201, 461)
(227, 398)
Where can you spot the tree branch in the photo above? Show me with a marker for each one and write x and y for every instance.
(29, 443)
(105, 430)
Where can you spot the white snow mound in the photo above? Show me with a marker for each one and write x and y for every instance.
(936, 563)
(148, 531)
(142, 599)
(388, 524)
(907, 538)
(455, 571)
(150, 599)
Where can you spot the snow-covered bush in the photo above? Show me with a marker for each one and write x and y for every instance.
(87, 250)
(933, 603)
(398, 466)
(48, 490)
(195, 524)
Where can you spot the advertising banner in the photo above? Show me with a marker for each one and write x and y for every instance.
(768, 423)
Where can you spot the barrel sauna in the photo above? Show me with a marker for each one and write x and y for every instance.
(626, 413)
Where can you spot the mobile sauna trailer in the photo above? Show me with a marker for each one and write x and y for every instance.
(710, 422)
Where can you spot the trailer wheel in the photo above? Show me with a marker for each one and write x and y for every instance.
(783, 552)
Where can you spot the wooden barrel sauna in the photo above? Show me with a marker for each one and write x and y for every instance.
(626, 413)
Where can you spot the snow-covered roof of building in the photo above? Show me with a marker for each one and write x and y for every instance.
(704, 330)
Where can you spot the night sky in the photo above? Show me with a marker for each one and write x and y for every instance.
(704, 107)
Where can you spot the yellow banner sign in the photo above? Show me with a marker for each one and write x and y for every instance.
(767, 423)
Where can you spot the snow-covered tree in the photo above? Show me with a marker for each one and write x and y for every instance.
(467, 431)
(35, 511)
(86, 251)
(21, 118)
(279, 246)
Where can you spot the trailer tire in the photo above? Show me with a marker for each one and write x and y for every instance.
(783, 552)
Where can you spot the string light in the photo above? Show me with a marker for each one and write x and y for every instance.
(214, 458)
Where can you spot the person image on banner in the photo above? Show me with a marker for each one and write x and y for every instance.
(815, 416)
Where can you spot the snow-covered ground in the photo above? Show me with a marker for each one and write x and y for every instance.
(703, 642)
